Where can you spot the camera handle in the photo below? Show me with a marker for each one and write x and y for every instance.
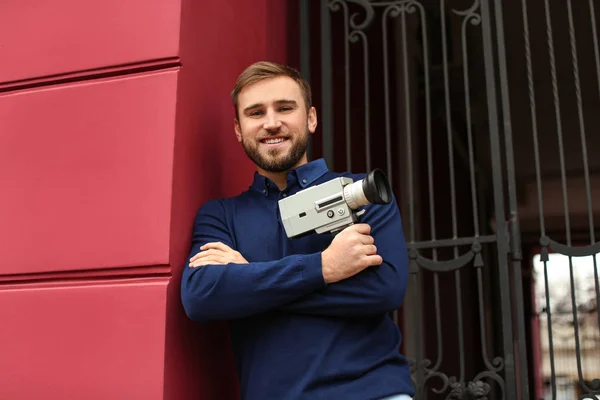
(360, 213)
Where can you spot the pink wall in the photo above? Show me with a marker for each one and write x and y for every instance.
(115, 125)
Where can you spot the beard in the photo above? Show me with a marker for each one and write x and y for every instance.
(276, 160)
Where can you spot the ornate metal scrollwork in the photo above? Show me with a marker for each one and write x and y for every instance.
(478, 390)
(450, 265)
(391, 8)
(593, 391)
(470, 14)
(334, 5)
(570, 251)
(475, 390)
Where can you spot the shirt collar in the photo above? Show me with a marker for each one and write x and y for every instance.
(305, 175)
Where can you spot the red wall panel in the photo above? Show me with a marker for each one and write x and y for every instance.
(41, 37)
(108, 173)
(85, 174)
(83, 341)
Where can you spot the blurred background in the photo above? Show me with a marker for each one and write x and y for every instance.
(116, 125)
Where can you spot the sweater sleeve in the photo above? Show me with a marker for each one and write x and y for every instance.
(375, 290)
(240, 290)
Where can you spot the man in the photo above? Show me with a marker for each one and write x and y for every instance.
(309, 316)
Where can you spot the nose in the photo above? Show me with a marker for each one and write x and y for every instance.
(271, 121)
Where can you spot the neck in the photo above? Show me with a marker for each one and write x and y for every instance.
(279, 178)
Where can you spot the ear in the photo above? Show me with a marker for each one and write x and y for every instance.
(238, 131)
(312, 120)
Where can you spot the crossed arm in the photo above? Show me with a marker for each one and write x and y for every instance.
(220, 284)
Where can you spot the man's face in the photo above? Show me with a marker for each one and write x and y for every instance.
(273, 125)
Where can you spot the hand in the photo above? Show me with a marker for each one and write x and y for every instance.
(216, 253)
(351, 251)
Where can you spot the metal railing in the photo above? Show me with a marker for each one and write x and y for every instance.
(455, 99)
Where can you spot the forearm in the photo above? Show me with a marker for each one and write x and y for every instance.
(240, 290)
(376, 290)
(232, 290)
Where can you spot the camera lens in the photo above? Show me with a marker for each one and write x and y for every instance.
(377, 188)
(373, 189)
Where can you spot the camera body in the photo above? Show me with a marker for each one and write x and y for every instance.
(319, 208)
(332, 205)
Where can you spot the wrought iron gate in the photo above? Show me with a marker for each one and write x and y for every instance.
(482, 112)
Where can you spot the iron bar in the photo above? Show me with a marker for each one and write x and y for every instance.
(575, 64)
(550, 338)
(597, 287)
(595, 39)
(432, 220)
(504, 281)
(584, 150)
(305, 39)
(417, 331)
(576, 327)
(470, 16)
(438, 322)
(452, 242)
(304, 12)
(536, 154)
(449, 130)
(584, 153)
(355, 36)
(347, 94)
(514, 226)
(556, 97)
(326, 83)
(394, 10)
(484, 354)
(461, 339)
(532, 106)
(388, 133)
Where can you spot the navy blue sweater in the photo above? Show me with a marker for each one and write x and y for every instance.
(295, 337)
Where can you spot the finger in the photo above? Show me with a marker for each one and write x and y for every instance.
(212, 260)
(203, 263)
(197, 263)
(212, 252)
(365, 229)
(198, 255)
(206, 253)
(374, 260)
(370, 250)
(366, 239)
(215, 245)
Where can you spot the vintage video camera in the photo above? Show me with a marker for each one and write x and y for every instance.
(333, 205)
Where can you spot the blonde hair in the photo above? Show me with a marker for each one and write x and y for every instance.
(264, 70)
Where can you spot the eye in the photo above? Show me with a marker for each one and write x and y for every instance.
(256, 113)
(285, 109)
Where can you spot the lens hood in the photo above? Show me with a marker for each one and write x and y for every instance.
(376, 187)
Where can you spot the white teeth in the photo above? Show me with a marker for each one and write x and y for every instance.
(273, 141)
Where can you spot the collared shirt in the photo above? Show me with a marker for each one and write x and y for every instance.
(293, 336)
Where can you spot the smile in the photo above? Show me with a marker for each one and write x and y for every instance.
(273, 140)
